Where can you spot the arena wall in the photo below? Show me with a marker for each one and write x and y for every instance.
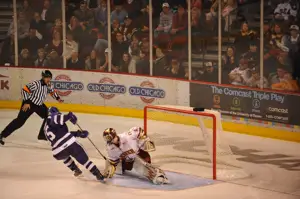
(126, 95)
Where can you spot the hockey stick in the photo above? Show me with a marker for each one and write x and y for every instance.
(92, 143)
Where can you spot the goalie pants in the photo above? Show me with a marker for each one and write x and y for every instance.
(129, 165)
(22, 117)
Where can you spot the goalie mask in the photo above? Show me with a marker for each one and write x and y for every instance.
(109, 134)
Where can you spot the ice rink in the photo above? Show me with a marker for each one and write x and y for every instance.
(28, 170)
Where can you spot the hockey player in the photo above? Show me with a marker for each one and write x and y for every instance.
(132, 150)
(64, 144)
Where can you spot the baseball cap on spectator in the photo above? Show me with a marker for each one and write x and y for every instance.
(208, 64)
(294, 27)
(165, 5)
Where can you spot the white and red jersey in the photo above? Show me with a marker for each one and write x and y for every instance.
(130, 144)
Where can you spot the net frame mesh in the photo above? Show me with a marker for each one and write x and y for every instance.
(223, 165)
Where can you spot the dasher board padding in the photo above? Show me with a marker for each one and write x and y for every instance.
(178, 181)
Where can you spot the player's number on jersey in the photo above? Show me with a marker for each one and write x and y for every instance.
(49, 134)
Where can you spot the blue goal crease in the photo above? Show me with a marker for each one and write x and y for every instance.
(178, 181)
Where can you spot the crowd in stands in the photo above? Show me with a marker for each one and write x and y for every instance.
(40, 39)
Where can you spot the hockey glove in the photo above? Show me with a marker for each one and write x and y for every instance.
(72, 117)
(83, 134)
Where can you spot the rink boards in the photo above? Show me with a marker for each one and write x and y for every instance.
(126, 95)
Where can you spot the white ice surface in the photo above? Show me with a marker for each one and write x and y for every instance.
(28, 170)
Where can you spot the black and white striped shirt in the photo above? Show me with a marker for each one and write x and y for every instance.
(36, 92)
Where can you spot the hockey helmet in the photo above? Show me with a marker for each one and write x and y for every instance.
(109, 134)
(46, 73)
(53, 110)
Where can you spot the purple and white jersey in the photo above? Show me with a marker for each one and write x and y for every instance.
(57, 132)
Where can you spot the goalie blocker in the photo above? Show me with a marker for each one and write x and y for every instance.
(130, 150)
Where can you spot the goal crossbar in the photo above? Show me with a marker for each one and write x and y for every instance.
(189, 112)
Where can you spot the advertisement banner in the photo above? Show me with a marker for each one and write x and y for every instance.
(240, 102)
(100, 89)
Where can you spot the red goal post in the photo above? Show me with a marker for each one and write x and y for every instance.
(189, 112)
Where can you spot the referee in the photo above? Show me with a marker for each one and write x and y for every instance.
(34, 94)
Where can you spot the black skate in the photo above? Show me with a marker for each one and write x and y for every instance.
(77, 172)
(1, 140)
(98, 175)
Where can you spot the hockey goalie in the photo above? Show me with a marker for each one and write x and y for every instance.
(130, 150)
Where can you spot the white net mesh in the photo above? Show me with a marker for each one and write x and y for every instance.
(189, 148)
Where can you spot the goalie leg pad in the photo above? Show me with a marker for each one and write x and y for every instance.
(154, 174)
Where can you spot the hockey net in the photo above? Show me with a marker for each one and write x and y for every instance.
(191, 142)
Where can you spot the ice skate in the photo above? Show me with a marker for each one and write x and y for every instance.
(99, 176)
(77, 172)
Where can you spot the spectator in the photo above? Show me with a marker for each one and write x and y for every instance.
(134, 6)
(267, 33)
(41, 61)
(23, 27)
(143, 65)
(277, 36)
(118, 48)
(292, 41)
(241, 74)
(284, 10)
(85, 15)
(227, 7)
(7, 53)
(145, 45)
(104, 62)
(198, 24)
(179, 27)
(32, 42)
(25, 59)
(118, 14)
(92, 62)
(115, 28)
(129, 28)
(211, 73)
(278, 76)
(38, 24)
(54, 60)
(229, 62)
(57, 26)
(160, 63)
(56, 43)
(132, 64)
(50, 12)
(195, 3)
(252, 56)
(124, 64)
(101, 17)
(175, 71)
(165, 20)
(71, 46)
(76, 28)
(134, 48)
(75, 62)
(179, 21)
(245, 36)
(254, 80)
(27, 10)
(286, 84)
(144, 22)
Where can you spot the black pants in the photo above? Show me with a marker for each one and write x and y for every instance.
(17, 123)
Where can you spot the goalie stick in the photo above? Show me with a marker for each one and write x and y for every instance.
(92, 143)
